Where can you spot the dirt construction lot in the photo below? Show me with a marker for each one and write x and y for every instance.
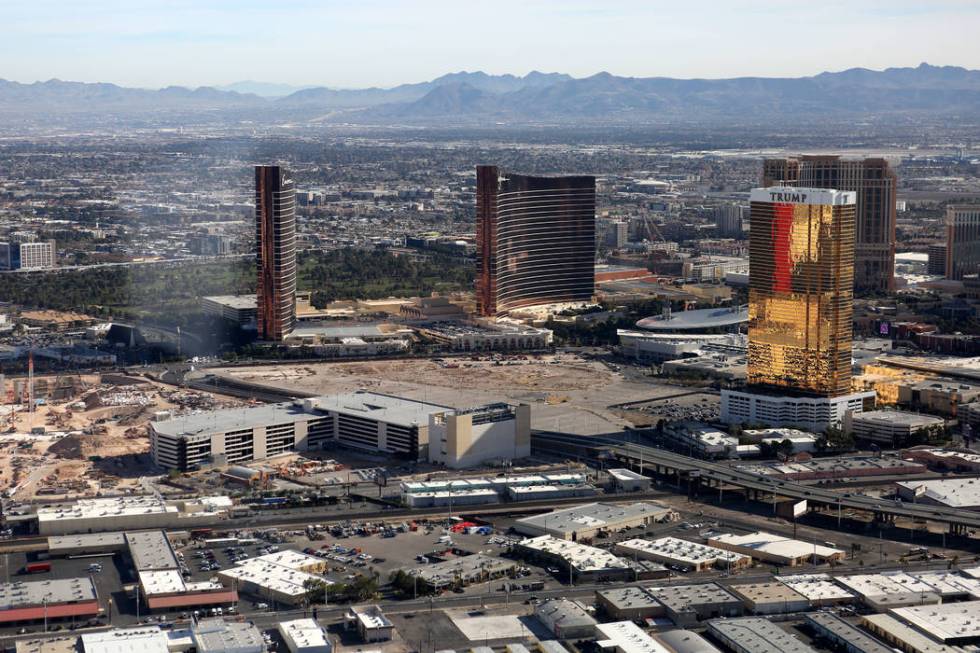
(566, 392)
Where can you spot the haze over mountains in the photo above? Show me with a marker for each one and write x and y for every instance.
(476, 97)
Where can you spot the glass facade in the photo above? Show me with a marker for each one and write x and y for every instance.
(535, 240)
(874, 183)
(275, 241)
(801, 295)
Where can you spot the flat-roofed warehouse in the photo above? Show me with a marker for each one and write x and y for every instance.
(633, 603)
(35, 600)
(566, 619)
(685, 641)
(304, 636)
(770, 598)
(776, 549)
(844, 635)
(581, 560)
(142, 639)
(951, 585)
(888, 590)
(686, 605)
(819, 589)
(586, 521)
(902, 636)
(626, 637)
(949, 492)
(953, 624)
(755, 635)
(130, 513)
(681, 553)
(280, 576)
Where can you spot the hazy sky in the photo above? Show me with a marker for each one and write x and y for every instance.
(357, 43)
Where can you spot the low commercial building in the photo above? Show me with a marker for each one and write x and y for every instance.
(145, 639)
(704, 441)
(888, 590)
(770, 598)
(487, 336)
(626, 480)
(579, 560)
(462, 571)
(819, 589)
(631, 603)
(279, 577)
(837, 468)
(962, 493)
(461, 497)
(49, 644)
(476, 491)
(951, 585)
(432, 309)
(891, 427)
(37, 600)
(304, 636)
(369, 421)
(953, 624)
(346, 341)
(902, 636)
(130, 513)
(657, 348)
(728, 364)
(940, 396)
(844, 636)
(802, 441)
(688, 556)
(371, 623)
(586, 521)
(626, 637)
(237, 309)
(777, 549)
(685, 641)
(566, 619)
(686, 605)
(943, 459)
(219, 636)
(755, 635)
(545, 492)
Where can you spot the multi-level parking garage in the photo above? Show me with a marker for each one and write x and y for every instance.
(710, 474)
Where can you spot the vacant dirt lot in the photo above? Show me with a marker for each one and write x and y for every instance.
(566, 391)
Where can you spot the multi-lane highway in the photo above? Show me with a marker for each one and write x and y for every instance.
(656, 460)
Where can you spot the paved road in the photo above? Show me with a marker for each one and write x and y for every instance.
(652, 457)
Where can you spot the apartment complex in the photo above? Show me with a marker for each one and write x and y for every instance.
(275, 241)
(535, 240)
(874, 184)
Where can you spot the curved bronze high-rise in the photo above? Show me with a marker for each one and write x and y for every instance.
(535, 240)
(275, 242)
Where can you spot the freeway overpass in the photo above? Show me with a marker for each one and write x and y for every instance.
(661, 461)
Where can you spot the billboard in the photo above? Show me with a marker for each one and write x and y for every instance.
(799, 508)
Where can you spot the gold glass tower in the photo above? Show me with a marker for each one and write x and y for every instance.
(801, 291)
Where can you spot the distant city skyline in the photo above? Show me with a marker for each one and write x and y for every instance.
(384, 43)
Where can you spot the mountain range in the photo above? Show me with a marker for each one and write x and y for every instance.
(477, 97)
